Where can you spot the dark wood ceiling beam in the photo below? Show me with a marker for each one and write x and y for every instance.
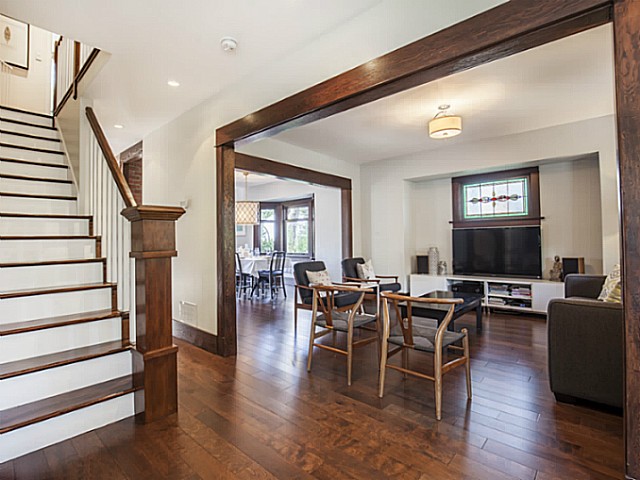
(497, 33)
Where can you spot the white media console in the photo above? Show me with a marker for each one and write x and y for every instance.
(524, 295)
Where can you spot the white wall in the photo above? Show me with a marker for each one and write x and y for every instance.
(31, 89)
(386, 185)
(572, 226)
(328, 218)
(179, 160)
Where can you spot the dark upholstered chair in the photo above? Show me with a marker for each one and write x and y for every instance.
(244, 281)
(274, 277)
(331, 319)
(304, 293)
(585, 344)
(350, 274)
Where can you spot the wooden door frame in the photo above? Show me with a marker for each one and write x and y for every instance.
(507, 29)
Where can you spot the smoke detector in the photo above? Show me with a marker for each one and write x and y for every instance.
(229, 44)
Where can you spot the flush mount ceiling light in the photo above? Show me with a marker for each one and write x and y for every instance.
(118, 126)
(444, 125)
(229, 44)
(247, 213)
(173, 83)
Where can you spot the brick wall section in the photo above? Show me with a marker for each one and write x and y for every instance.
(131, 162)
(133, 174)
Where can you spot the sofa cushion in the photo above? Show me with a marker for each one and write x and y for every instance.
(365, 270)
(612, 288)
(320, 277)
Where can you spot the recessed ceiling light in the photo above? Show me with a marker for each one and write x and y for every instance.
(117, 125)
(173, 83)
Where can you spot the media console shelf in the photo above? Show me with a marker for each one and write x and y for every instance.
(522, 295)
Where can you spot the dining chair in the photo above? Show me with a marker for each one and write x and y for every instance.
(331, 319)
(274, 277)
(244, 281)
(407, 335)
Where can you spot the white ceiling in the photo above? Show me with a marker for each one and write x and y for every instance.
(153, 41)
(566, 81)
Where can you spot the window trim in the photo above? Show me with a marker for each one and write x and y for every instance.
(281, 222)
(532, 218)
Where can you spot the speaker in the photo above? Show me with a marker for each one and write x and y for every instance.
(423, 263)
(572, 265)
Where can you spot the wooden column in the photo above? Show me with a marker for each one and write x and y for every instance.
(626, 21)
(155, 357)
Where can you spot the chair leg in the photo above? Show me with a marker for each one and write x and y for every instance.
(349, 353)
(467, 365)
(284, 287)
(437, 367)
(295, 318)
(312, 335)
(405, 360)
(383, 366)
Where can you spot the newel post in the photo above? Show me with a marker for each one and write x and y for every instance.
(153, 245)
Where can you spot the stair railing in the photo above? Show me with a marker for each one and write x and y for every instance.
(72, 60)
(148, 237)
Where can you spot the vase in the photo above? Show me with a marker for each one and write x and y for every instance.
(434, 258)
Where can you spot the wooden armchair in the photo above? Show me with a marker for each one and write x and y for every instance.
(423, 339)
(386, 283)
(330, 318)
(303, 295)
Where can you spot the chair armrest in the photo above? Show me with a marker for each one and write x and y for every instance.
(360, 280)
(395, 277)
(581, 285)
(585, 349)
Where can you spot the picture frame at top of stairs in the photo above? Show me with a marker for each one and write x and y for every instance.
(14, 42)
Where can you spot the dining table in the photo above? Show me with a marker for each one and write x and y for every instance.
(252, 265)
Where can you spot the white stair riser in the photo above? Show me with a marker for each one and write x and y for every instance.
(53, 305)
(34, 437)
(27, 278)
(30, 142)
(54, 381)
(33, 170)
(25, 117)
(41, 250)
(37, 205)
(28, 129)
(31, 155)
(52, 340)
(43, 226)
(40, 188)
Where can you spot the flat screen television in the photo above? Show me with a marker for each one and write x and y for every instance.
(502, 252)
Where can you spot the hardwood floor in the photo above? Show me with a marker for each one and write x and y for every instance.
(261, 415)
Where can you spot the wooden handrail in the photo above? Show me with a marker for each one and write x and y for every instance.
(112, 162)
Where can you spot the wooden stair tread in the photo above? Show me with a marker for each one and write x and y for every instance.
(39, 196)
(58, 359)
(30, 413)
(31, 162)
(50, 290)
(45, 215)
(60, 321)
(10, 176)
(49, 237)
(53, 262)
(32, 149)
(27, 112)
(28, 124)
(29, 135)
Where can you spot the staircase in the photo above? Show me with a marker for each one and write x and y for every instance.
(65, 356)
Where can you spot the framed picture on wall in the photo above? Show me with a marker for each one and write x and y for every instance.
(14, 42)
(241, 230)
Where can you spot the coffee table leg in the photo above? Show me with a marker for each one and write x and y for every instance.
(479, 318)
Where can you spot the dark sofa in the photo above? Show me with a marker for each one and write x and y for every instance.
(585, 344)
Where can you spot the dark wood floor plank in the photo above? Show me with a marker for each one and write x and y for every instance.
(261, 415)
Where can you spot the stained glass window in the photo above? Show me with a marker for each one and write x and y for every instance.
(504, 198)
